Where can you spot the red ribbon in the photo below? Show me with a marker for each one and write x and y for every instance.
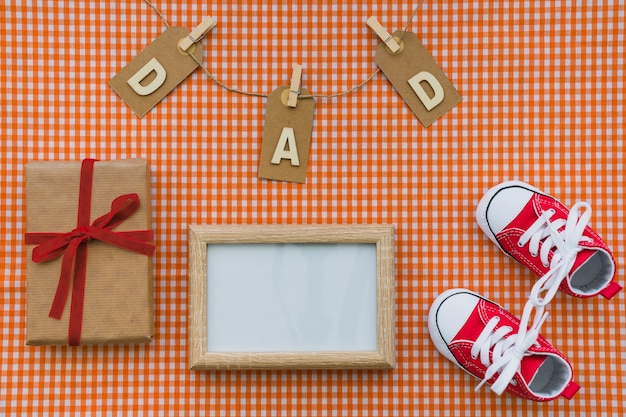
(73, 247)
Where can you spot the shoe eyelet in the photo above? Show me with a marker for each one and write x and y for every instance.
(545, 265)
(519, 244)
(513, 382)
(534, 255)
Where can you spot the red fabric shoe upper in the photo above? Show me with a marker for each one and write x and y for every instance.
(509, 237)
(462, 344)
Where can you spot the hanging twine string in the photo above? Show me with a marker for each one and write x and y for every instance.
(301, 96)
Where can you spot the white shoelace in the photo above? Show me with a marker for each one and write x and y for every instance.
(567, 243)
(508, 352)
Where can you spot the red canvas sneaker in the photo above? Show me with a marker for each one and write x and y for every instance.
(557, 244)
(493, 345)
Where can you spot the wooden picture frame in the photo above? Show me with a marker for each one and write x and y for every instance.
(368, 285)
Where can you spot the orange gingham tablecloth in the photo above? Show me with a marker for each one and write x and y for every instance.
(543, 87)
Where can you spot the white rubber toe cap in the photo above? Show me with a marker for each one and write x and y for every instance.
(448, 314)
(501, 204)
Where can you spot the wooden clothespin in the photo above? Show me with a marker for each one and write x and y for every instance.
(197, 34)
(294, 88)
(382, 33)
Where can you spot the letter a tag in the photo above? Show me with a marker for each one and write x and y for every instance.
(417, 77)
(286, 137)
(156, 71)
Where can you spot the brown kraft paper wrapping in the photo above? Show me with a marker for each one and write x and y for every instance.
(118, 303)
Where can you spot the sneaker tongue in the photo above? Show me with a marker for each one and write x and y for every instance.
(530, 365)
(582, 257)
(587, 274)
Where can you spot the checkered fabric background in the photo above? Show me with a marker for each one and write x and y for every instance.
(543, 87)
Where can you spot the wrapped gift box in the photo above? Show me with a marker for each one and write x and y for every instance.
(118, 292)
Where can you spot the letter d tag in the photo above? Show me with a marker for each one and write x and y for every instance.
(156, 71)
(286, 137)
(418, 78)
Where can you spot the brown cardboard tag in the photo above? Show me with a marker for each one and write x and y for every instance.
(286, 137)
(156, 71)
(418, 78)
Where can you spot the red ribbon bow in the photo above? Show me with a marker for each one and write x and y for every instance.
(72, 246)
